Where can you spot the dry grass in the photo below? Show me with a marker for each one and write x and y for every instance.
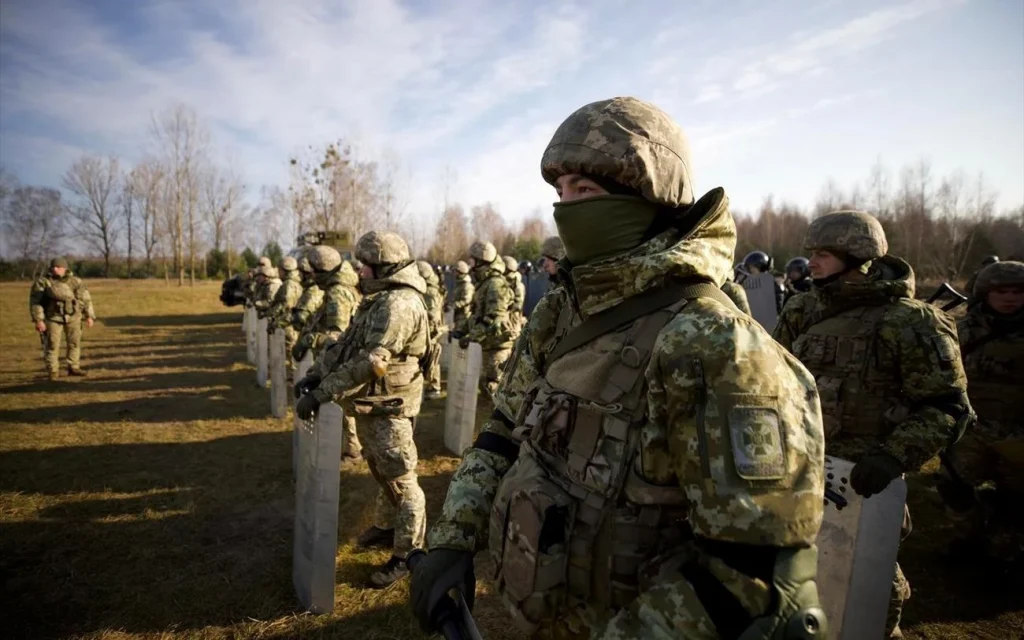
(153, 499)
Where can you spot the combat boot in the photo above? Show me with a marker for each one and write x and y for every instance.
(77, 371)
(350, 459)
(375, 537)
(432, 395)
(390, 573)
(54, 376)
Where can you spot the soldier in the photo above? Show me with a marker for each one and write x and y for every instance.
(893, 390)
(434, 302)
(989, 475)
(309, 302)
(462, 301)
(605, 483)
(798, 278)
(267, 284)
(58, 303)
(550, 253)
(489, 324)
(339, 282)
(280, 311)
(515, 284)
(969, 290)
(376, 368)
(760, 262)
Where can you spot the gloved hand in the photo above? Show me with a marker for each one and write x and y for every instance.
(298, 351)
(873, 473)
(464, 342)
(440, 571)
(306, 407)
(305, 385)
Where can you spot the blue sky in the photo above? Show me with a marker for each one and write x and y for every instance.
(775, 96)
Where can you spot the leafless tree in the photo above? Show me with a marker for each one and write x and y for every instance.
(451, 240)
(33, 224)
(222, 194)
(487, 224)
(148, 188)
(94, 181)
(128, 199)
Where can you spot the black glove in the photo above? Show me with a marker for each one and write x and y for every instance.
(464, 342)
(305, 385)
(873, 473)
(306, 407)
(437, 573)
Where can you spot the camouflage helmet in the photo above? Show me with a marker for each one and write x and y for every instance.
(999, 274)
(461, 267)
(59, 263)
(265, 271)
(553, 248)
(303, 263)
(264, 261)
(289, 263)
(511, 266)
(854, 233)
(632, 142)
(483, 252)
(382, 248)
(426, 271)
(323, 258)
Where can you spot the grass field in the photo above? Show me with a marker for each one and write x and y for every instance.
(153, 499)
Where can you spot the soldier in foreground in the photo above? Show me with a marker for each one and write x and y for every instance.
(798, 278)
(375, 368)
(434, 302)
(341, 297)
(280, 311)
(462, 299)
(58, 304)
(988, 463)
(518, 289)
(654, 464)
(489, 324)
(892, 387)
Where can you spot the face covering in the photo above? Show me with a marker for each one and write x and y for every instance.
(598, 228)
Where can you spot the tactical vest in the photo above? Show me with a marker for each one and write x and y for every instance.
(571, 518)
(994, 373)
(841, 353)
(60, 300)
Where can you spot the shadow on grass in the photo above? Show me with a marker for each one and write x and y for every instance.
(176, 321)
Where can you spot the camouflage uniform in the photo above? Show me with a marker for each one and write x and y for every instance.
(887, 366)
(309, 302)
(62, 303)
(280, 311)
(992, 347)
(375, 368)
(490, 324)
(266, 289)
(969, 288)
(435, 303)
(515, 284)
(619, 482)
(552, 249)
(462, 300)
(737, 294)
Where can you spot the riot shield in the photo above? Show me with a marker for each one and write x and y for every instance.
(446, 344)
(316, 510)
(262, 363)
(760, 289)
(857, 548)
(250, 336)
(245, 323)
(460, 407)
(301, 369)
(278, 375)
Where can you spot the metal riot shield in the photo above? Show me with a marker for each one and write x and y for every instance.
(245, 322)
(460, 407)
(760, 290)
(446, 344)
(262, 364)
(857, 548)
(250, 336)
(316, 510)
(301, 369)
(278, 375)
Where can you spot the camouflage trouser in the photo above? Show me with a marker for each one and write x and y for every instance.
(291, 336)
(490, 369)
(72, 334)
(350, 446)
(433, 381)
(391, 454)
(900, 585)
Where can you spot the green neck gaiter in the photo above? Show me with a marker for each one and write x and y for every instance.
(597, 228)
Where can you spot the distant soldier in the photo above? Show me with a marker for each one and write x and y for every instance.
(58, 304)
(376, 368)
(267, 284)
(550, 253)
(515, 283)
(986, 261)
(489, 324)
(306, 307)
(760, 262)
(434, 302)
(988, 462)
(892, 387)
(280, 311)
(462, 300)
(798, 278)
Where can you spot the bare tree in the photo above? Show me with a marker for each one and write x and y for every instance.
(147, 178)
(33, 224)
(488, 224)
(451, 241)
(221, 198)
(94, 182)
(394, 190)
(878, 189)
(128, 200)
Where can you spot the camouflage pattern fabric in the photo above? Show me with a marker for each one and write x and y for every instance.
(434, 301)
(462, 302)
(340, 301)
(853, 233)
(740, 363)
(518, 289)
(737, 294)
(280, 313)
(489, 323)
(392, 457)
(62, 303)
(265, 292)
(306, 306)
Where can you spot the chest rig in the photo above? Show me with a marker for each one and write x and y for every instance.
(854, 384)
(60, 300)
(572, 521)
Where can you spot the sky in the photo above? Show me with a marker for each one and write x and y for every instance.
(776, 97)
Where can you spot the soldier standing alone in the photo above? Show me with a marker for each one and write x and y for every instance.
(375, 368)
(58, 304)
(887, 366)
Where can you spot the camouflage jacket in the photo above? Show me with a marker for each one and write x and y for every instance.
(340, 301)
(489, 323)
(887, 366)
(992, 347)
(63, 300)
(738, 295)
(306, 307)
(376, 363)
(462, 302)
(515, 284)
(434, 302)
(740, 364)
(285, 299)
(264, 297)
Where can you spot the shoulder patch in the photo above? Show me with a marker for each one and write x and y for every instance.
(757, 445)
(946, 347)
